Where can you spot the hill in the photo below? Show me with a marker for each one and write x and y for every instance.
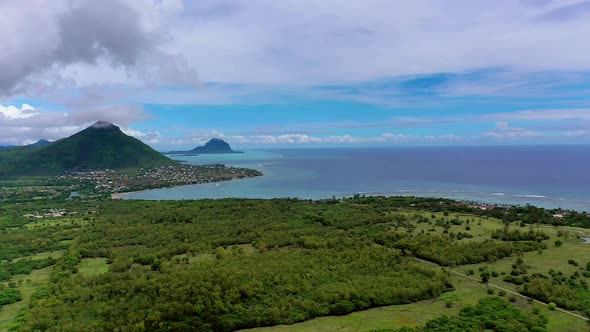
(100, 146)
(41, 142)
(214, 146)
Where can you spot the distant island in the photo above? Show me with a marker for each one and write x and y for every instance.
(214, 146)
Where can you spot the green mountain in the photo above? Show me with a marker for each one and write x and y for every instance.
(100, 146)
(214, 146)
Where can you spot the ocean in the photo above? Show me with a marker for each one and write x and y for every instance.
(547, 176)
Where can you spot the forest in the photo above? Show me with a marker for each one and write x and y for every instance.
(230, 264)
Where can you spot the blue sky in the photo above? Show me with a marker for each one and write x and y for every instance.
(265, 74)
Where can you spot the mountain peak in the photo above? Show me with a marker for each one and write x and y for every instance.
(213, 146)
(103, 125)
(216, 140)
(41, 142)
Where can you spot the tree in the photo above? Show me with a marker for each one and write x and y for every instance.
(558, 243)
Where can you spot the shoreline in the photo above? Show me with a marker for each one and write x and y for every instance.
(399, 193)
(119, 195)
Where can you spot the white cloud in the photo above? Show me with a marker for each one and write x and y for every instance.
(311, 42)
(504, 131)
(201, 137)
(13, 112)
(25, 124)
(543, 115)
(577, 133)
(291, 42)
(86, 41)
(152, 138)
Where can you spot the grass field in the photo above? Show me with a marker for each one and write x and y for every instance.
(27, 284)
(43, 255)
(93, 266)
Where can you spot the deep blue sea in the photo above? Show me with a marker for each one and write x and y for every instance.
(548, 176)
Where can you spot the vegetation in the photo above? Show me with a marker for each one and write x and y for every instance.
(566, 292)
(490, 314)
(443, 250)
(102, 146)
(9, 295)
(25, 266)
(234, 263)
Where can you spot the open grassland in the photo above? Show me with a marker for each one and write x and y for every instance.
(42, 255)
(93, 266)
(27, 284)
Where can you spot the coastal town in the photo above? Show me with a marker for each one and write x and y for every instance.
(108, 181)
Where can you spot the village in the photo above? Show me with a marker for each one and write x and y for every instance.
(51, 213)
(111, 181)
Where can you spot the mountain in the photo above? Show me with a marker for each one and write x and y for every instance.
(214, 146)
(100, 146)
(41, 142)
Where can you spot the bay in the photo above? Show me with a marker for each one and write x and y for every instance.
(548, 176)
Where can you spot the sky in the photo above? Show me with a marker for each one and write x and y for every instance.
(298, 73)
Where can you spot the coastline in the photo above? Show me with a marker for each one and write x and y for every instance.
(464, 196)
(120, 195)
(324, 173)
(482, 204)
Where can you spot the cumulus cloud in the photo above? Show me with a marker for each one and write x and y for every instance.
(13, 112)
(43, 38)
(27, 123)
(504, 131)
(202, 136)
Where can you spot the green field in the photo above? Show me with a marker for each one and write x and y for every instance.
(27, 284)
(42, 255)
(92, 266)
